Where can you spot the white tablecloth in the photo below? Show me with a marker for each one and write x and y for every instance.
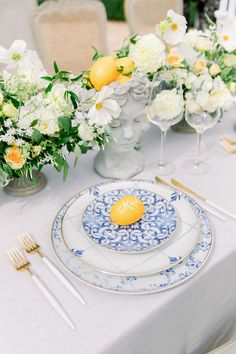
(189, 319)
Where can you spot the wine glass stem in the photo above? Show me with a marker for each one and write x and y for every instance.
(197, 161)
(163, 141)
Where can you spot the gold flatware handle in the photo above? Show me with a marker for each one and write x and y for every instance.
(161, 181)
(186, 189)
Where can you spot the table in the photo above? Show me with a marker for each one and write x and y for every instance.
(189, 319)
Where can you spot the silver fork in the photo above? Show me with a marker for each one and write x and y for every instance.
(30, 246)
(21, 263)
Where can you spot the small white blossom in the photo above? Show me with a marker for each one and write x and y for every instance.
(104, 109)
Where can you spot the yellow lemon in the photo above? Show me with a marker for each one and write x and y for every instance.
(103, 72)
(122, 79)
(126, 64)
(127, 210)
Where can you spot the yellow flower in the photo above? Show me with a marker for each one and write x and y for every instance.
(200, 66)
(214, 69)
(230, 60)
(14, 157)
(174, 59)
(9, 110)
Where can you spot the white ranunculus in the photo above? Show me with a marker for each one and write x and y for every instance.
(32, 68)
(167, 105)
(104, 108)
(13, 56)
(47, 123)
(219, 98)
(148, 53)
(172, 28)
(57, 101)
(85, 132)
(227, 34)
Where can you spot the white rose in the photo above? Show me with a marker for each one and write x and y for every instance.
(167, 105)
(219, 98)
(85, 132)
(148, 53)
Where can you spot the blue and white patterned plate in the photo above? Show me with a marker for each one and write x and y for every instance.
(155, 228)
(137, 284)
(141, 263)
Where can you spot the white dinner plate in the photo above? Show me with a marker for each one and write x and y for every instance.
(141, 264)
(134, 284)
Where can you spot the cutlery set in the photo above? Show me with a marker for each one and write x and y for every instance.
(21, 263)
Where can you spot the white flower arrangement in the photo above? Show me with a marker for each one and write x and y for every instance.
(38, 116)
(41, 116)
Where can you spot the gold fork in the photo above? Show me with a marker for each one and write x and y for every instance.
(31, 246)
(20, 262)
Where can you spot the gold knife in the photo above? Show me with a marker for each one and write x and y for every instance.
(161, 181)
(190, 191)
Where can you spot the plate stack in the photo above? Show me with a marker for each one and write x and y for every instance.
(166, 247)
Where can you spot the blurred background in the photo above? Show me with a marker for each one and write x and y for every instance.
(65, 30)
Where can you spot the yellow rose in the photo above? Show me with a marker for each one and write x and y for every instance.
(214, 69)
(200, 66)
(1, 98)
(9, 110)
(174, 59)
(230, 60)
(14, 157)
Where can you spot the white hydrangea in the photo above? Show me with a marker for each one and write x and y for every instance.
(148, 53)
(168, 104)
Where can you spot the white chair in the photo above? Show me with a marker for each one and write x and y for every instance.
(65, 30)
(227, 348)
(143, 15)
(15, 23)
(226, 8)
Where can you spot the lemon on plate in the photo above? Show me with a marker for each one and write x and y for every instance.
(127, 210)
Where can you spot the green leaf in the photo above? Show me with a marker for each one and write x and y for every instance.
(59, 162)
(65, 170)
(56, 69)
(34, 122)
(64, 123)
(49, 88)
(77, 151)
(37, 136)
(76, 78)
(48, 78)
(97, 54)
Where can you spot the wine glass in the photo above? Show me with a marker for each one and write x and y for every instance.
(164, 109)
(200, 121)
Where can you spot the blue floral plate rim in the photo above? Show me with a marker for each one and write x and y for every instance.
(57, 243)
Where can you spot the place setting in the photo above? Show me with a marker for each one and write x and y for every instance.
(126, 234)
